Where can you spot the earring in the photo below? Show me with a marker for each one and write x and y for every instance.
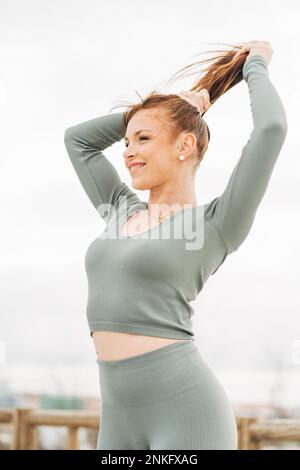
(181, 157)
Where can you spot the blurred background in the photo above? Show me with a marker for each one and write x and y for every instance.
(65, 62)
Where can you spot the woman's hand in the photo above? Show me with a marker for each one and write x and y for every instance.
(262, 48)
(200, 99)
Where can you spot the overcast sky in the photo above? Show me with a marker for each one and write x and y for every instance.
(64, 62)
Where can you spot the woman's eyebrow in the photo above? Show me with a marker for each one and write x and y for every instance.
(138, 132)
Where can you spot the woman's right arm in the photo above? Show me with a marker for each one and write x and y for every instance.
(233, 212)
(85, 143)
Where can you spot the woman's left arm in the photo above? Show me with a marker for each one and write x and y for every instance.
(233, 212)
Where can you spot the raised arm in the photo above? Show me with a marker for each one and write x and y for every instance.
(99, 178)
(233, 212)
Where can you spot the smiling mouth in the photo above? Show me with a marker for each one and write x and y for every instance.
(136, 168)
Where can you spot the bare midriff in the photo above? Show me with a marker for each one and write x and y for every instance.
(111, 345)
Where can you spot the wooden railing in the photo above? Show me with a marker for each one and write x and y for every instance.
(253, 433)
(25, 423)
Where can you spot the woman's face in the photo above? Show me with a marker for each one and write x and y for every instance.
(154, 146)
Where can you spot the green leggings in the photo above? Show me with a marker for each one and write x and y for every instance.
(164, 399)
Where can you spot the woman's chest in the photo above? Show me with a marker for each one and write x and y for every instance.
(138, 223)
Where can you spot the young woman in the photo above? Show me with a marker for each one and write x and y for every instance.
(157, 391)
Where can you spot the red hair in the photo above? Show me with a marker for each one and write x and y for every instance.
(222, 73)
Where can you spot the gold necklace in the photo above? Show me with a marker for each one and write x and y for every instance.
(160, 218)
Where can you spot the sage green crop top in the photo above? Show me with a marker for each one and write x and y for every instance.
(143, 284)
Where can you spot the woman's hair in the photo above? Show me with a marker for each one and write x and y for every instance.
(222, 73)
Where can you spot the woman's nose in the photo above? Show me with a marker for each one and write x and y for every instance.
(127, 152)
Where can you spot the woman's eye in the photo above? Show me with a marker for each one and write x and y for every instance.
(141, 137)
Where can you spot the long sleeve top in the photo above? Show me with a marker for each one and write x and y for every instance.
(143, 284)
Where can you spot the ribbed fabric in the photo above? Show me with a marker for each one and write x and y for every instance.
(164, 399)
(145, 284)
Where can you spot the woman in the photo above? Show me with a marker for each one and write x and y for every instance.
(157, 391)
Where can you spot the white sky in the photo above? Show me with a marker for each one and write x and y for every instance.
(64, 62)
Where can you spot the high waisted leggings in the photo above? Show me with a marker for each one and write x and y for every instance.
(165, 399)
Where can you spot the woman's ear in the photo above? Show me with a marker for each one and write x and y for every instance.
(189, 143)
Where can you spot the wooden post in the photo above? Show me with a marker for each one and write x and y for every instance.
(32, 438)
(72, 443)
(252, 442)
(21, 431)
(245, 439)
